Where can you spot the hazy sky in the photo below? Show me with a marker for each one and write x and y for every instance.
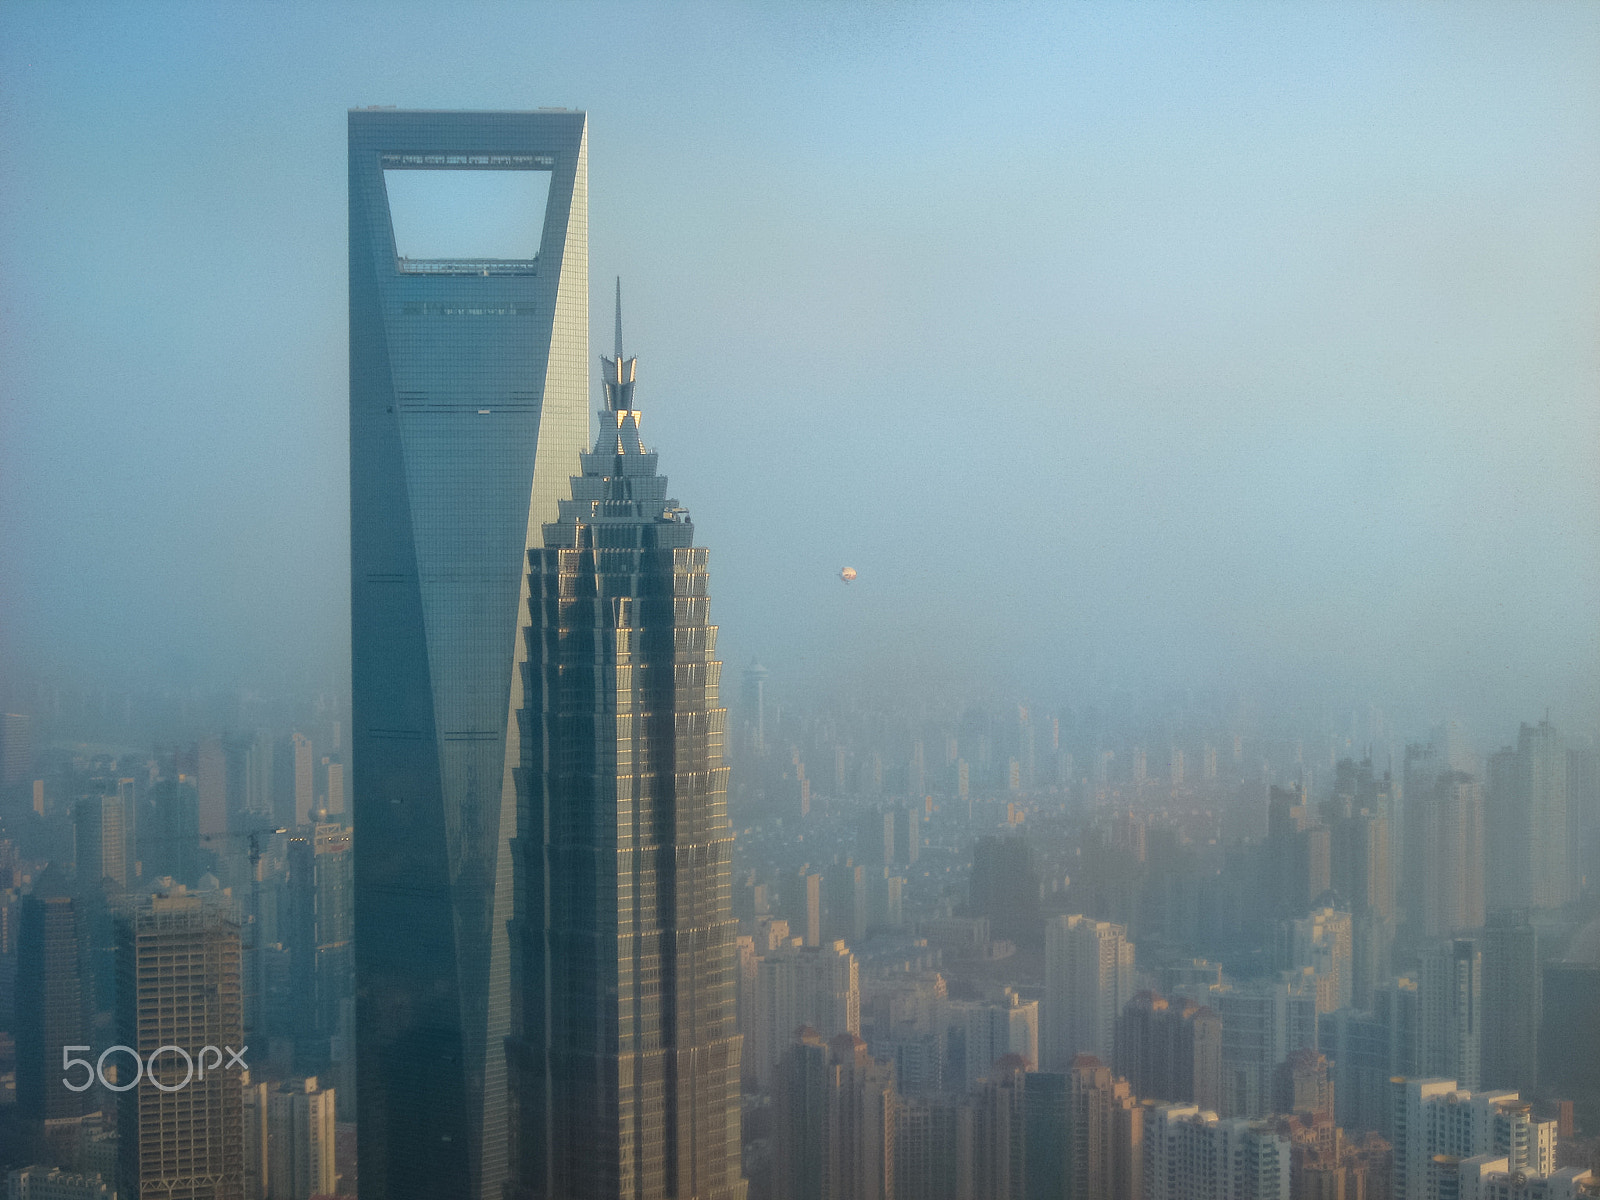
(1114, 345)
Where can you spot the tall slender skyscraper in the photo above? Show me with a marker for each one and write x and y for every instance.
(211, 781)
(100, 842)
(300, 1133)
(1189, 1154)
(179, 1134)
(1088, 978)
(1451, 1009)
(468, 404)
(834, 1122)
(1512, 1002)
(1171, 1050)
(1104, 1142)
(16, 748)
(1445, 851)
(1527, 821)
(50, 1009)
(318, 939)
(304, 780)
(625, 1057)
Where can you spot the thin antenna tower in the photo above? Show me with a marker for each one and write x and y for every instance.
(619, 318)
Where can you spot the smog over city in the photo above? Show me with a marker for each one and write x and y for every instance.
(937, 493)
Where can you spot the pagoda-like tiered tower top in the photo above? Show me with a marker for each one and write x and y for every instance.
(619, 483)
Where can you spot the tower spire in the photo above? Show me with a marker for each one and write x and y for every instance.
(619, 372)
(619, 318)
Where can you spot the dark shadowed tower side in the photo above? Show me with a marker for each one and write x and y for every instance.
(625, 1063)
(469, 399)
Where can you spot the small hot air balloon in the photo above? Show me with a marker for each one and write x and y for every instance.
(848, 575)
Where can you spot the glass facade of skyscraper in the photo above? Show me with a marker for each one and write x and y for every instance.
(468, 407)
(625, 1057)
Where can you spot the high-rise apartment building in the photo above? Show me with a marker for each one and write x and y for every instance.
(250, 778)
(50, 1005)
(1171, 1050)
(1442, 889)
(318, 938)
(180, 1133)
(885, 900)
(1104, 1137)
(335, 773)
(247, 760)
(755, 706)
(1527, 824)
(1357, 1043)
(1569, 1034)
(1005, 886)
(1360, 864)
(1371, 955)
(1048, 1134)
(844, 903)
(169, 830)
(1397, 1006)
(16, 748)
(834, 1115)
(305, 777)
(1299, 853)
(1435, 1125)
(281, 778)
(993, 1031)
(1450, 996)
(626, 1056)
(1192, 1155)
(301, 1136)
(1088, 978)
(100, 842)
(211, 782)
(810, 918)
(908, 1018)
(1263, 1022)
(1322, 940)
(256, 1136)
(1491, 1177)
(1512, 1002)
(1363, 874)
(929, 1148)
(993, 1159)
(891, 836)
(1583, 812)
(1301, 1084)
(1362, 814)
(815, 986)
(469, 384)
(128, 793)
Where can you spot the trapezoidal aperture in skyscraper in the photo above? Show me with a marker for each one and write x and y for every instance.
(468, 405)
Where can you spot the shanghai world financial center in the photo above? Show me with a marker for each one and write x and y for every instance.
(544, 954)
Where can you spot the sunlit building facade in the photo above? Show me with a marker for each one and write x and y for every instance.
(180, 1129)
(626, 1061)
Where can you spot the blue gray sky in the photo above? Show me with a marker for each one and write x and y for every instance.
(1115, 345)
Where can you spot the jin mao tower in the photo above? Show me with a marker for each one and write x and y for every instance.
(624, 1056)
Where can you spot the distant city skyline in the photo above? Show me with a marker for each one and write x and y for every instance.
(1117, 348)
(994, 885)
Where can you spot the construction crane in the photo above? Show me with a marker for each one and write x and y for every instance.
(256, 997)
(254, 836)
